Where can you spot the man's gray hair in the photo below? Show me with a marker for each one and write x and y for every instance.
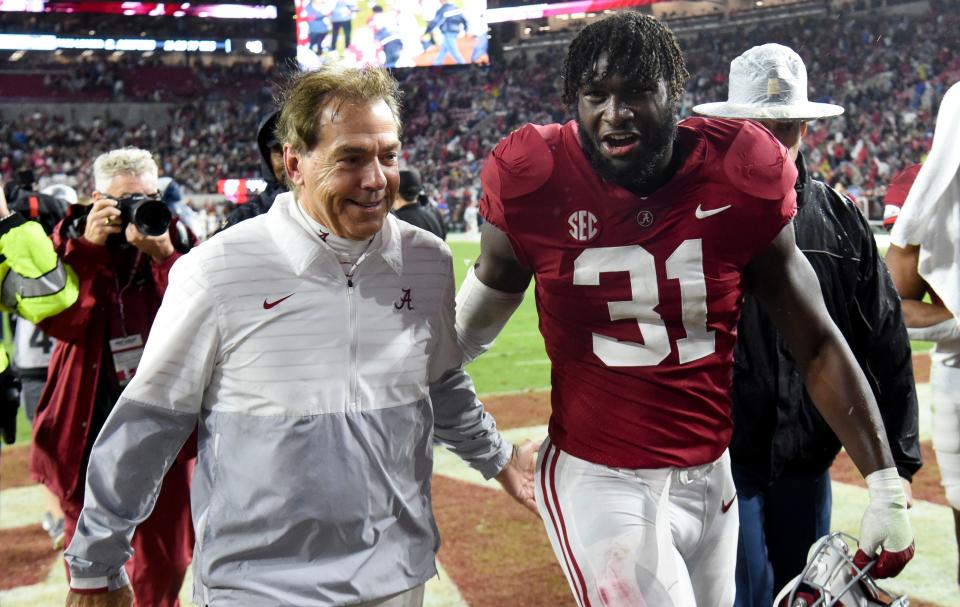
(125, 161)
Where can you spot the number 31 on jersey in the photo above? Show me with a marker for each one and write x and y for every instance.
(684, 264)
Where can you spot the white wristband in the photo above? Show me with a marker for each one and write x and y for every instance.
(942, 331)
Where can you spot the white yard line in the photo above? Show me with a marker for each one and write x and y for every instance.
(21, 506)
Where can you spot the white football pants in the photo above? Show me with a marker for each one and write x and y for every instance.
(945, 384)
(629, 538)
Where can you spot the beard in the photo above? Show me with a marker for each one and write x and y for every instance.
(645, 168)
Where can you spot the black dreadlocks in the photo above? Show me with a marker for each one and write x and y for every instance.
(638, 47)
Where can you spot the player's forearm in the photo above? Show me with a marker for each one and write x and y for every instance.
(919, 314)
(842, 395)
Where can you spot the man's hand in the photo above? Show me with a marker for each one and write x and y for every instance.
(885, 526)
(102, 221)
(157, 247)
(907, 491)
(517, 476)
(121, 597)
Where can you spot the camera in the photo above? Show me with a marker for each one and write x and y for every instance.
(148, 213)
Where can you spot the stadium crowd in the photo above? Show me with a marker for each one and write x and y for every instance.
(888, 71)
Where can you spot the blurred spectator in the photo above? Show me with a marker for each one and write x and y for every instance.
(410, 206)
(122, 275)
(271, 168)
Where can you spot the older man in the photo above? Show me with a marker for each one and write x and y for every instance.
(782, 447)
(315, 347)
(123, 274)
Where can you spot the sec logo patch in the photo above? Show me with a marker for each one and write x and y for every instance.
(584, 226)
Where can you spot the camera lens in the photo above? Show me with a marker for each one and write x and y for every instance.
(152, 217)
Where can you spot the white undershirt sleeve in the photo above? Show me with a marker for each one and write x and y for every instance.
(482, 312)
(942, 331)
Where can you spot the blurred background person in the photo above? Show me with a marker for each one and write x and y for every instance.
(271, 169)
(386, 33)
(122, 248)
(36, 285)
(318, 13)
(32, 347)
(450, 21)
(341, 20)
(412, 206)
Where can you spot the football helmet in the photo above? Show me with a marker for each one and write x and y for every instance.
(830, 579)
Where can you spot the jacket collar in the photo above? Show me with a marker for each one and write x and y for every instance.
(302, 248)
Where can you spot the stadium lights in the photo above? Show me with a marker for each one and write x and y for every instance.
(574, 9)
(28, 42)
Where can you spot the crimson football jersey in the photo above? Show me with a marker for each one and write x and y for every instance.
(639, 297)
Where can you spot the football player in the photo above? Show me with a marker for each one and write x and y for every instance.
(923, 262)
(643, 236)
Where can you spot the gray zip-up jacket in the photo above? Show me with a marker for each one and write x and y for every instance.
(317, 400)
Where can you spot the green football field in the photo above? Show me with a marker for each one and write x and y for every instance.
(517, 363)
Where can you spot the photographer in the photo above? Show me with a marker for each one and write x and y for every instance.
(36, 284)
(122, 248)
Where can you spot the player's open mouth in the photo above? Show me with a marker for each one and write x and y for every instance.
(619, 144)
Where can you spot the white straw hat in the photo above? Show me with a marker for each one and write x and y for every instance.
(768, 82)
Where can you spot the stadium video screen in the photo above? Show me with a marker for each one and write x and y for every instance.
(391, 33)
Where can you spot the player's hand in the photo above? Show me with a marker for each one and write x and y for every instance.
(157, 247)
(102, 221)
(121, 597)
(517, 476)
(885, 528)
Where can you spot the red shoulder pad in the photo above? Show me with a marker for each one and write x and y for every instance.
(521, 162)
(758, 165)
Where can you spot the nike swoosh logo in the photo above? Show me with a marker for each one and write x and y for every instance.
(726, 506)
(269, 304)
(701, 214)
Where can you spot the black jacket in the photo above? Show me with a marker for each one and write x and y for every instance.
(421, 217)
(449, 19)
(264, 200)
(777, 429)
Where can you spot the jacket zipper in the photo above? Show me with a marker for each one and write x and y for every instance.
(352, 311)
